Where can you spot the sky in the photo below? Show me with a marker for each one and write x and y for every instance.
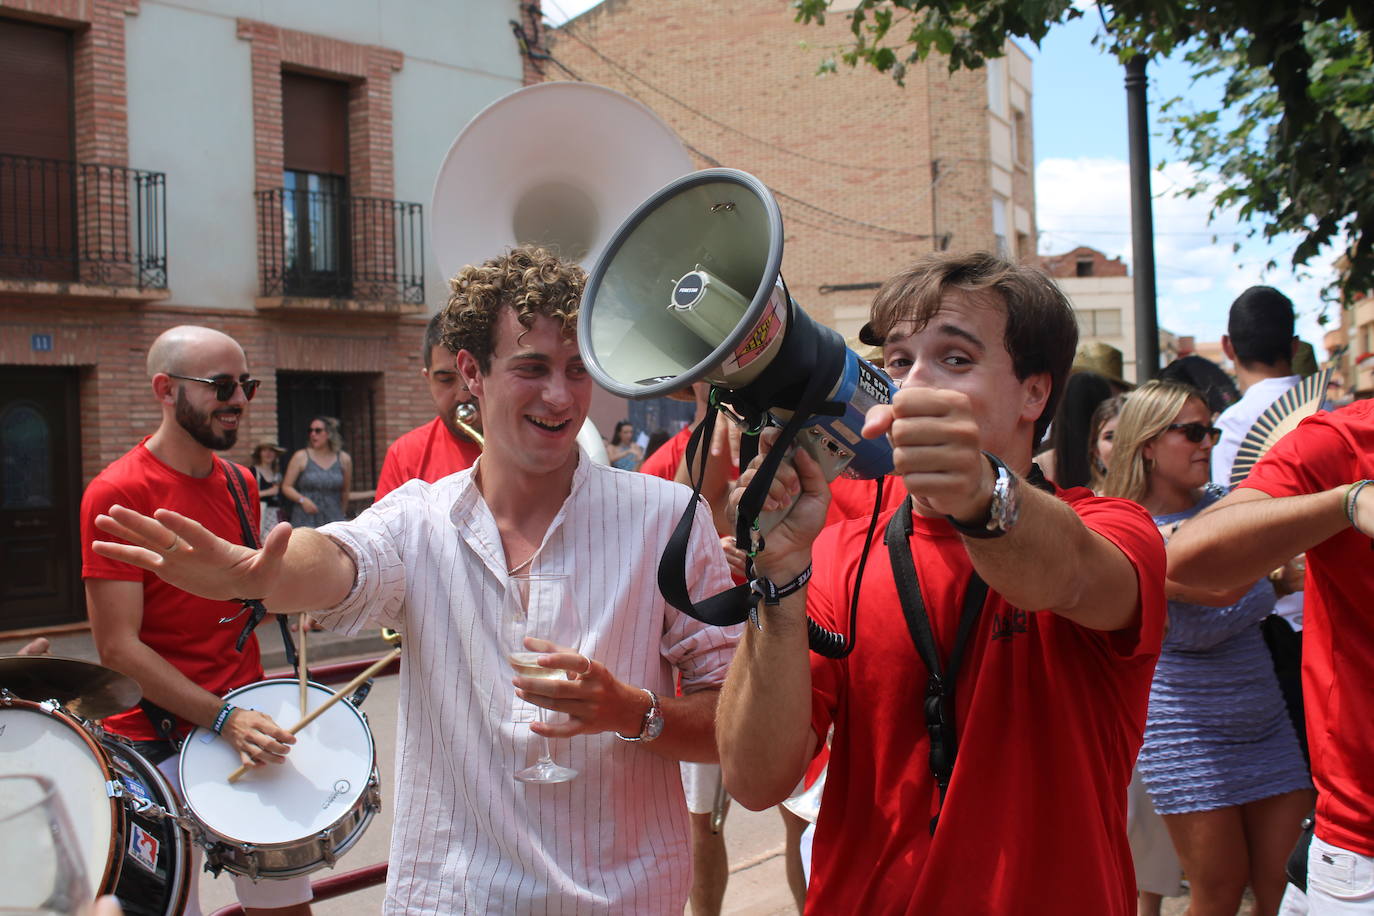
(1082, 187)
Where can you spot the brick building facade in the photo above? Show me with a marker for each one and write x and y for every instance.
(868, 173)
(177, 201)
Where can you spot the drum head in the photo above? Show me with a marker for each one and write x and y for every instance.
(325, 773)
(33, 740)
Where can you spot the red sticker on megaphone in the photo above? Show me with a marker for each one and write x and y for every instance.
(758, 340)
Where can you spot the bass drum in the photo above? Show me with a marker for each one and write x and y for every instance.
(290, 819)
(123, 812)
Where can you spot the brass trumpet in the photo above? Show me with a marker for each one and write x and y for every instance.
(463, 415)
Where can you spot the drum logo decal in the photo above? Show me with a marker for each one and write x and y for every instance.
(143, 847)
(341, 786)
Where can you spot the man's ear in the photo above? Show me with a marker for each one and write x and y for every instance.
(470, 372)
(1037, 394)
(1226, 348)
(162, 388)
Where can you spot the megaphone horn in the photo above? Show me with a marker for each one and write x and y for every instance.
(555, 164)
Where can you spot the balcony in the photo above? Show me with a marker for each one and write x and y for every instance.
(319, 250)
(82, 230)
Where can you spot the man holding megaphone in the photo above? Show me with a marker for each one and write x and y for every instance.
(988, 717)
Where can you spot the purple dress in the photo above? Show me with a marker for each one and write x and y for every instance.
(1217, 733)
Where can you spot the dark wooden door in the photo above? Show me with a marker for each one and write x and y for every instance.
(40, 495)
(38, 238)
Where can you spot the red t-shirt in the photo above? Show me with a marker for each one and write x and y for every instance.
(181, 627)
(1049, 717)
(850, 498)
(666, 458)
(427, 453)
(1326, 451)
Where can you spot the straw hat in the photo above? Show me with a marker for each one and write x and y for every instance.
(1102, 358)
(269, 443)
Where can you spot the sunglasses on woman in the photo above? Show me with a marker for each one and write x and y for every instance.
(224, 385)
(1194, 432)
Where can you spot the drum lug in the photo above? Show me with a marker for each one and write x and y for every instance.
(250, 856)
(113, 789)
(326, 848)
(50, 706)
(361, 693)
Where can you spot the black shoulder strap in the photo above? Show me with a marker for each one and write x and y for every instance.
(938, 704)
(238, 489)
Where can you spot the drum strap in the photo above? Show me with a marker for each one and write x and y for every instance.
(164, 725)
(238, 488)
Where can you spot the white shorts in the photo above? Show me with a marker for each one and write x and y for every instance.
(700, 781)
(1339, 882)
(265, 894)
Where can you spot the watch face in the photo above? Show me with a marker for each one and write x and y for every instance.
(654, 727)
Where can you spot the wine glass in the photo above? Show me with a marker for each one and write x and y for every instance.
(41, 868)
(538, 617)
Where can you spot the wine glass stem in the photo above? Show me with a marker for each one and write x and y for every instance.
(548, 754)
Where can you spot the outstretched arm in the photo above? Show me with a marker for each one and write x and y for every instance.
(1050, 561)
(295, 571)
(1248, 533)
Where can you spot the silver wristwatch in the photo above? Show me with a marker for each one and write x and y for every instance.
(652, 726)
(1003, 510)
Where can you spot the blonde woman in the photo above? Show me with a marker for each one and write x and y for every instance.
(1220, 759)
(317, 479)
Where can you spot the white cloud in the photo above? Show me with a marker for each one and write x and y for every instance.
(1197, 274)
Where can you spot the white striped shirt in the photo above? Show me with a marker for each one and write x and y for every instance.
(468, 837)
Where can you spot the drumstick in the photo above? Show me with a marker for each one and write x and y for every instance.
(336, 697)
(300, 668)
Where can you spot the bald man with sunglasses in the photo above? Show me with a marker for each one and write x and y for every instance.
(174, 643)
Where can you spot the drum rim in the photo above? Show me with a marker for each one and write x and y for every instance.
(114, 864)
(374, 777)
(175, 808)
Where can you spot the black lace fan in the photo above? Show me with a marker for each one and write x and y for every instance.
(1291, 408)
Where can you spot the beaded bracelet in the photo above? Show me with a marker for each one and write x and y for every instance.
(223, 717)
(1351, 495)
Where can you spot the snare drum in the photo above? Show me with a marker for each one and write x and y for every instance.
(286, 819)
(125, 815)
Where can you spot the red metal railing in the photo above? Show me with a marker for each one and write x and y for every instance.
(359, 878)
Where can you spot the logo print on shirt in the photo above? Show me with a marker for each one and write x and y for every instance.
(1004, 626)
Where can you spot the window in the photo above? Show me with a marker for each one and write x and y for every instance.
(999, 226)
(37, 175)
(1083, 267)
(997, 86)
(315, 186)
(1099, 323)
(1020, 138)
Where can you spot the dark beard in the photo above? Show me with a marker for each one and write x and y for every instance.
(197, 425)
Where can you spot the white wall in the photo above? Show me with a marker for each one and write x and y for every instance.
(191, 114)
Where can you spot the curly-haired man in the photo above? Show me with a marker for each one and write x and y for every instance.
(433, 559)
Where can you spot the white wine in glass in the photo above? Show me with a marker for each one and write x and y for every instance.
(538, 618)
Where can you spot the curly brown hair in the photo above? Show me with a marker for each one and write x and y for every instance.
(529, 280)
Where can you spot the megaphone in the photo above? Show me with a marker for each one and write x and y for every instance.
(556, 164)
(689, 288)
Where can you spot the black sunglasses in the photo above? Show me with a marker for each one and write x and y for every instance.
(224, 385)
(1194, 432)
(316, 429)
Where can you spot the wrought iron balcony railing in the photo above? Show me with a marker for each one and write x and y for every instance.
(79, 222)
(319, 244)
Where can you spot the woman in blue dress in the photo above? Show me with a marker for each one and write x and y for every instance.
(317, 479)
(1220, 760)
(622, 450)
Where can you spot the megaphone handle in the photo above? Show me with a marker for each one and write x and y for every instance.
(831, 466)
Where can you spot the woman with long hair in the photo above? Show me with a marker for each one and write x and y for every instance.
(318, 476)
(265, 457)
(622, 450)
(1101, 434)
(1066, 460)
(1220, 759)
